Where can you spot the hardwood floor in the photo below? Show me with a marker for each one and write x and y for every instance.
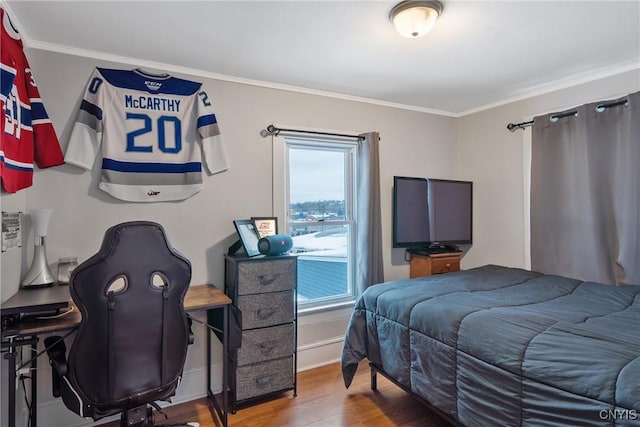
(322, 401)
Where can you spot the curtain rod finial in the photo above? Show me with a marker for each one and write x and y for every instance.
(270, 130)
(513, 126)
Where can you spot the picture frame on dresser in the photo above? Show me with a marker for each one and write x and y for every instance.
(249, 236)
(265, 225)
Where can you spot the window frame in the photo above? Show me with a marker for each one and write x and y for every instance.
(281, 191)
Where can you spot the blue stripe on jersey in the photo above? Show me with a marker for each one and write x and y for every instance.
(207, 120)
(25, 116)
(9, 165)
(128, 79)
(38, 111)
(92, 109)
(119, 166)
(6, 81)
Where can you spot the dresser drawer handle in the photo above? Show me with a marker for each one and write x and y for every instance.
(267, 348)
(265, 313)
(263, 381)
(266, 281)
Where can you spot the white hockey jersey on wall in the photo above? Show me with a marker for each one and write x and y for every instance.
(154, 133)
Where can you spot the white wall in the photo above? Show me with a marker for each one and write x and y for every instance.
(493, 158)
(413, 143)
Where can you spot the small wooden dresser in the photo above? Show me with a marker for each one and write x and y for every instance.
(437, 263)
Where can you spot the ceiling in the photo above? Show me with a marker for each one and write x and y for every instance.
(480, 53)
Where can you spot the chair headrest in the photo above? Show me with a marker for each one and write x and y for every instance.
(137, 251)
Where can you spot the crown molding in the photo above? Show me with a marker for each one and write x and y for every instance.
(557, 85)
(52, 47)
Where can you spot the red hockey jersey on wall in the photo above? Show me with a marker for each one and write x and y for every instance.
(26, 132)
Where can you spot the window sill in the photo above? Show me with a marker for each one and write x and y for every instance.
(325, 307)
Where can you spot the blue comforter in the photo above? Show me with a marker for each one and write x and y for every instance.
(497, 346)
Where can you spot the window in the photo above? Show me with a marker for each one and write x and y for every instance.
(319, 197)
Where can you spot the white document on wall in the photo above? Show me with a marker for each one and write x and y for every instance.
(11, 230)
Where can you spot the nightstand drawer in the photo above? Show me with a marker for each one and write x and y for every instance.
(259, 345)
(266, 276)
(270, 309)
(438, 263)
(265, 377)
(445, 265)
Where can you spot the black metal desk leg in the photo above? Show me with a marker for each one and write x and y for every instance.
(34, 383)
(12, 344)
(208, 360)
(225, 360)
(10, 356)
(220, 411)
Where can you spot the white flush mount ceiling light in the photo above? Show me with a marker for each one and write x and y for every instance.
(413, 18)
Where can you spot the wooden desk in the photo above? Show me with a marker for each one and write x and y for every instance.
(198, 297)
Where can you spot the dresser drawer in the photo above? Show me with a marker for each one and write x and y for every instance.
(270, 309)
(266, 276)
(445, 265)
(265, 377)
(259, 345)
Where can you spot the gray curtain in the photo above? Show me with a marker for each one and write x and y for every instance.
(369, 269)
(585, 186)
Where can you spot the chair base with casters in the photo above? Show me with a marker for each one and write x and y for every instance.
(62, 387)
(139, 416)
(131, 344)
(143, 416)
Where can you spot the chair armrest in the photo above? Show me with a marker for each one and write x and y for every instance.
(191, 339)
(57, 352)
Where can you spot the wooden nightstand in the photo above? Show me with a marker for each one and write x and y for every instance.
(426, 265)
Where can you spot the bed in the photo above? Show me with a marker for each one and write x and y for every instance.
(498, 346)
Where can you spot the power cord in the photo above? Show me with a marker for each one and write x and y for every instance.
(56, 316)
(38, 354)
(206, 325)
(22, 379)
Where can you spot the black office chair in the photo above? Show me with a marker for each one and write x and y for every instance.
(130, 348)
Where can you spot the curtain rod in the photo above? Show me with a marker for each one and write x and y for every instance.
(599, 108)
(272, 130)
(513, 126)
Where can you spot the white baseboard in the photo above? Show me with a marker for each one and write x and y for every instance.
(193, 384)
(320, 353)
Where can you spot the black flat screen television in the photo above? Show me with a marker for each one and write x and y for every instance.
(431, 215)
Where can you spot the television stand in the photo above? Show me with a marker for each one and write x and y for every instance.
(433, 263)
